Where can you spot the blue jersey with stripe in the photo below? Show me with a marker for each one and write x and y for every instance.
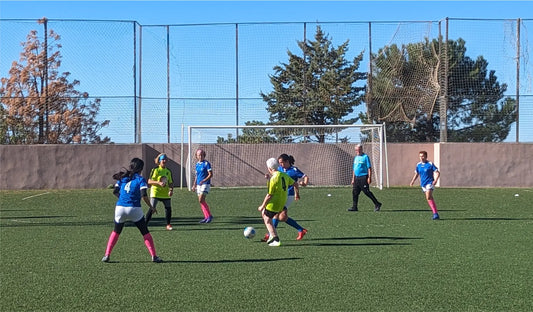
(130, 191)
(202, 169)
(294, 173)
(426, 170)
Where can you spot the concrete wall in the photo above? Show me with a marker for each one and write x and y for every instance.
(92, 166)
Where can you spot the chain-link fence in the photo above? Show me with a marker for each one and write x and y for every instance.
(155, 80)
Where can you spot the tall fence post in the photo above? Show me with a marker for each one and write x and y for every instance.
(518, 81)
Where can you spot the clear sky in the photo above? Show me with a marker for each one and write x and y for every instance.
(207, 12)
(193, 12)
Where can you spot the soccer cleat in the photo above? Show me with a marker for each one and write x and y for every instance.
(105, 259)
(352, 209)
(436, 216)
(377, 208)
(156, 259)
(301, 234)
(169, 227)
(265, 239)
(274, 242)
(203, 220)
(207, 220)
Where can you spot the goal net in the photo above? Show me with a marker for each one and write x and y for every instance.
(405, 75)
(238, 154)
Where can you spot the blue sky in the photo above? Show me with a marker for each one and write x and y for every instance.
(206, 12)
(186, 12)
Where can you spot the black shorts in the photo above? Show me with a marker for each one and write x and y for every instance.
(270, 214)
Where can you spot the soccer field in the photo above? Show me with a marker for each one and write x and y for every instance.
(478, 257)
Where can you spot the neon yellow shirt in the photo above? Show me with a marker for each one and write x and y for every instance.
(157, 174)
(278, 187)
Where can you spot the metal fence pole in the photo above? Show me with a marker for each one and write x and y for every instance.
(518, 81)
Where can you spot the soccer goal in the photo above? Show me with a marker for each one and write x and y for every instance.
(238, 154)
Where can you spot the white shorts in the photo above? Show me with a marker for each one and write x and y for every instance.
(123, 214)
(289, 201)
(428, 187)
(203, 189)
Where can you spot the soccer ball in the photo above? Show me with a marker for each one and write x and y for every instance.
(249, 232)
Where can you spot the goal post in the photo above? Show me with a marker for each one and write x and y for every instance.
(324, 152)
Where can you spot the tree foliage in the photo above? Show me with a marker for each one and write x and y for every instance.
(477, 109)
(40, 105)
(317, 88)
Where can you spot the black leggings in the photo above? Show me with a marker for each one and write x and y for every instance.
(141, 225)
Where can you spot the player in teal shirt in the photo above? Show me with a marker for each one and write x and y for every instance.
(361, 179)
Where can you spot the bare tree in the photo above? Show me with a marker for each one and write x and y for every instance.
(40, 105)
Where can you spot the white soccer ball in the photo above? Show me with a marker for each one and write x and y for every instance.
(249, 232)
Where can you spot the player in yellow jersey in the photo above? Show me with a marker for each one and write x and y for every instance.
(162, 188)
(278, 188)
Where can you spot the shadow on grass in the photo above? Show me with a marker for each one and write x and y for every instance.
(216, 261)
(35, 221)
(35, 217)
(491, 219)
(331, 241)
(195, 221)
(419, 210)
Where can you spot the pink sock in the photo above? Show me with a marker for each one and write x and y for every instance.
(205, 209)
(433, 206)
(149, 242)
(113, 238)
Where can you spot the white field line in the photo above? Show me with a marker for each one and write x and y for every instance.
(35, 195)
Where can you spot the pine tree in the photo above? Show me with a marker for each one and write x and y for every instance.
(317, 88)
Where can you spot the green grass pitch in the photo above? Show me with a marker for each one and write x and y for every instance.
(478, 257)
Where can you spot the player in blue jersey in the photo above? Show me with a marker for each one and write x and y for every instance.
(286, 164)
(202, 184)
(362, 178)
(130, 188)
(429, 175)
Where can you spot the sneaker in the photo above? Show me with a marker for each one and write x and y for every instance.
(377, 208)
(105, 259)
(156, 259)
(169, 227)
(436, 216)
(301, 234)
(274, 242)
(352, 209)
(270, 240)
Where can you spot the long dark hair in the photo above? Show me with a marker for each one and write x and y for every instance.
(136, 166)
(288, 158)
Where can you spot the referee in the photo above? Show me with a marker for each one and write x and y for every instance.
(361, 179)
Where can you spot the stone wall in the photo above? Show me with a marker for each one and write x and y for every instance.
(92, 166)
